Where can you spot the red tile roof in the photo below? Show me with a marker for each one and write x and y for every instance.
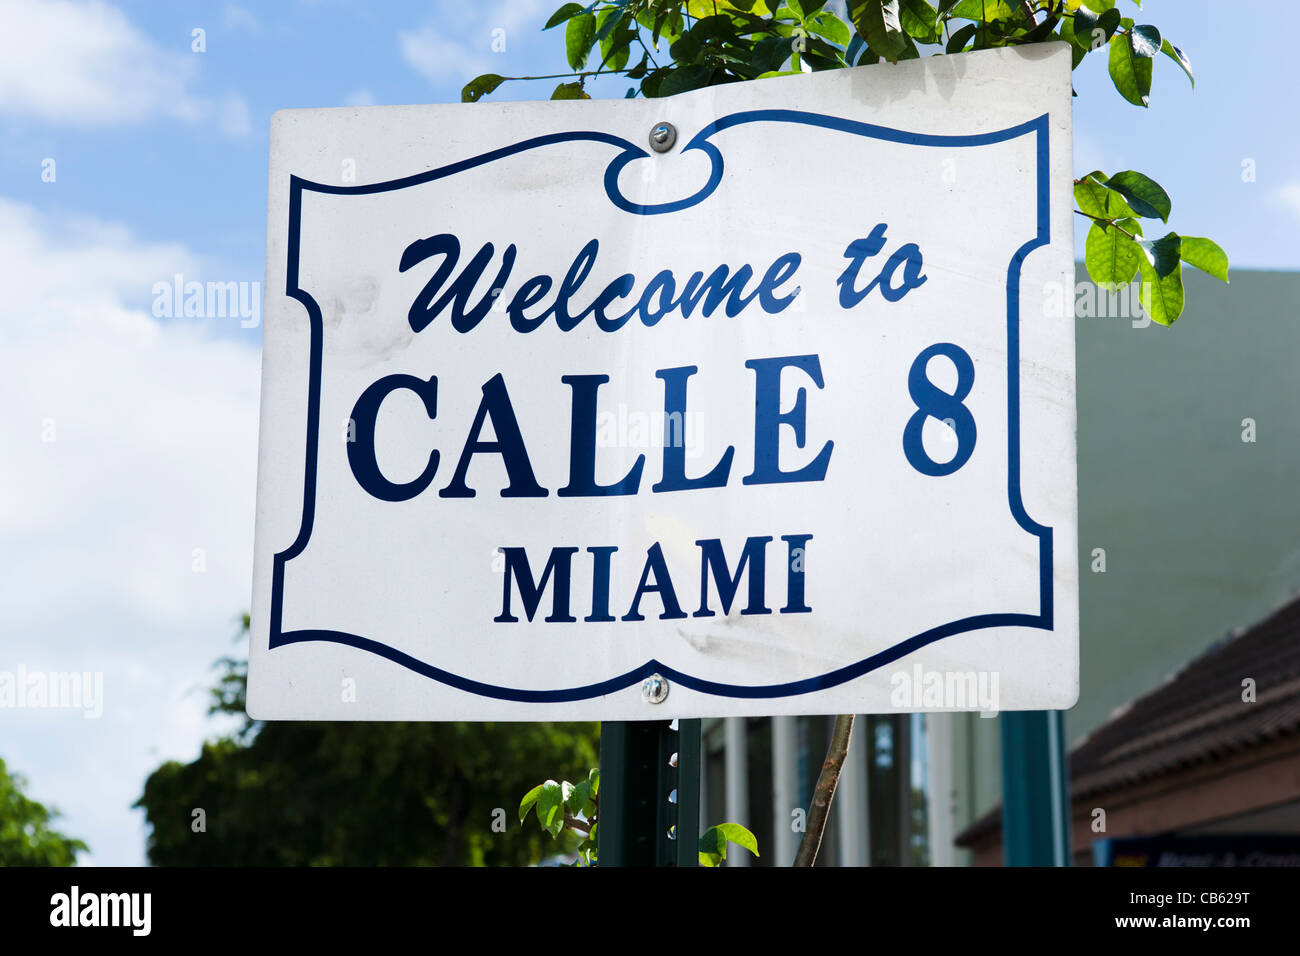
(1195, 716)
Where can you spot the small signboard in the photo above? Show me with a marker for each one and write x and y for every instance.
(754, 400)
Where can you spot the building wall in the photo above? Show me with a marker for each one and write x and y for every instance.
(1200, 529)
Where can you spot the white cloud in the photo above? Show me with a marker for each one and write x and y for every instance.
(431, 52)
(361, 97)
(154, 427)
(1288, 194)
(237, 18)
(439, 59)
(83, 63)
(512, 15)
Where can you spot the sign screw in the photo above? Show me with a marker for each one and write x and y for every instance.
(654, 690)
(662, 137)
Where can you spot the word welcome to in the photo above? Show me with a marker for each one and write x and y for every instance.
(537, 299)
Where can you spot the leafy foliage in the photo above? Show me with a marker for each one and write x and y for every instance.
(26, 837)
(679, 45)
(358, 793)
(714, 840)
(569, 807)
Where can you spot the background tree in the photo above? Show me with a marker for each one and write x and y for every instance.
(674, 46)
(359, 794)
(26, 837)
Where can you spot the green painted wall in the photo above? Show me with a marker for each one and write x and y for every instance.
(1201, 530)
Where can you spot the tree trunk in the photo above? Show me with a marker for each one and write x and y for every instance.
(825, 792)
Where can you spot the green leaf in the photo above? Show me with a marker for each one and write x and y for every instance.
(1041, 32)
(569, 91)
(480, 86)
(529, 799)
(878, 22)
(593, 778)
(770, 54)
(615, 47)
(687, 78)
(578, 793)
(1109, 22)
(1094, 199)
(957, 42)
(714, 840)
(1144, 195)
(1084, 32)
(579, 36)
(1080, 27)
(712, 848)
(920, 20)
(1206, 255)
(650, 85)
(831, 27)
(1179, 57)
(740, 836)
(607, 21)
(986, 10)
(550, 808)
(1162, 296)
(1130, 71)
(1145, 40)
(1164, 253)
(686, 47)
(1111, 257)
(568, 11)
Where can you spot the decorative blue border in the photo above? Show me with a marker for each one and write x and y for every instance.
(628, 153)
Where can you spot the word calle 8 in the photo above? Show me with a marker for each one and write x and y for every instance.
(722, 289)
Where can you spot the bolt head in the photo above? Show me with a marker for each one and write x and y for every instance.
(662, 137)
(654, 690)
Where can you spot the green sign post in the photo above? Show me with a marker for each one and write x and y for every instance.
(649, 793)
(1035, 789)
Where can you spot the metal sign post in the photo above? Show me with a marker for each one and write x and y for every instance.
(649, 793)
(1035, 789)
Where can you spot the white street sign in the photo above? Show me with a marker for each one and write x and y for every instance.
(784, 414)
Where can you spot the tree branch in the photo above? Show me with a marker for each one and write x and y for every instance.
(825, 792)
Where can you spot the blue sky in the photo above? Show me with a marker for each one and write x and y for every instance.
(159, 157)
